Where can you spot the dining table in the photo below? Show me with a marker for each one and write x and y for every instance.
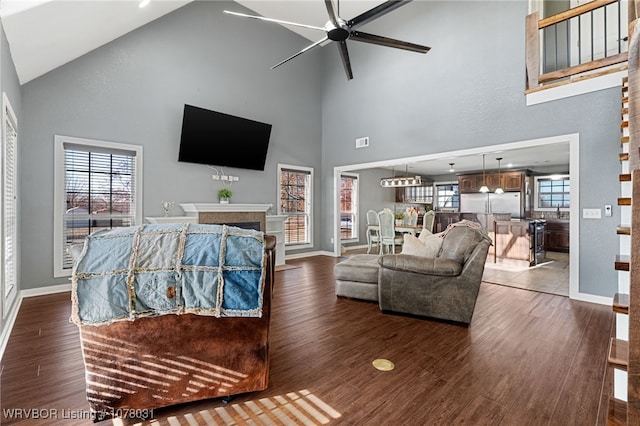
(404, 229)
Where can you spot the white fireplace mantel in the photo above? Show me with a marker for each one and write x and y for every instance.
(193, 209)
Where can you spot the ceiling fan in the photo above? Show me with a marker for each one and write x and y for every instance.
(339, 30)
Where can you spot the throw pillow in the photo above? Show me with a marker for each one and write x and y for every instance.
(425, 247)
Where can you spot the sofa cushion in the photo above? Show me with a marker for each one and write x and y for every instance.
(459, 242)
(428, 246)
(428, 266)
(360, 267)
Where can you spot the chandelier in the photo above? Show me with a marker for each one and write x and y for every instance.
(400, 181)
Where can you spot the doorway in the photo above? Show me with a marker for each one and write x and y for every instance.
(571, 139)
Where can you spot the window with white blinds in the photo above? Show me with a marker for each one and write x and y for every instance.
(99, 190)
(9, 207)
(349, 206)
(295, 184)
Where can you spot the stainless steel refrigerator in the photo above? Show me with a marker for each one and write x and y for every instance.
(509, 202)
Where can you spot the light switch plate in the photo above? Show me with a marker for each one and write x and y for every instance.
(591, 213)
(607, 210)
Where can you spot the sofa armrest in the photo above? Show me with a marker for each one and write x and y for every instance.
(421, 265)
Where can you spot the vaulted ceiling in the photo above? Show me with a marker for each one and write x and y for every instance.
(45, 34)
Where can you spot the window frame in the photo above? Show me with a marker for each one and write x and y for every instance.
(9, 270)
(536, 197)
(436, 203)
(60, 191)
(308, 207)
(355, 212)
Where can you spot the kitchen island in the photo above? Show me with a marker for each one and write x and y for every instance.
(518, 242)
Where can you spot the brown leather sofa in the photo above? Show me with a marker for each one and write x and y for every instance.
(133, 367)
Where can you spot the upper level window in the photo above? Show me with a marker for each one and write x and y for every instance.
(295, 185)
(348, 206)
(98, 186)
(447, 196)
(553, 192)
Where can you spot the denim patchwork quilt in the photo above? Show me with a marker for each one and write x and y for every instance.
(156, 269)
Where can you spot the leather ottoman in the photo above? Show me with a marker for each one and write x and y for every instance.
(357, 277)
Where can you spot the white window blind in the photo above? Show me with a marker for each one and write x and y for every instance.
(295, 202)
(10, 213)
(98, 185)
(100, 192)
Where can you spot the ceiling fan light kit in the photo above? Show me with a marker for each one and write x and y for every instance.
(339, 30)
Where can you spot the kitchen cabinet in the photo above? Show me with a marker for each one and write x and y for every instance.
(556, 236)
(509, 181)
(415, 194)
(512, 181)
(469, 183)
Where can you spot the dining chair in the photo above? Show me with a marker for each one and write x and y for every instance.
(428, 220)
(412, 218)
(388, 236)
(373, 234)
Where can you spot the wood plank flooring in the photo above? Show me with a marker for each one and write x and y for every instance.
(527, 358)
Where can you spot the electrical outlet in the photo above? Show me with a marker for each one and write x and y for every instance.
(215, 177)
(591, 213)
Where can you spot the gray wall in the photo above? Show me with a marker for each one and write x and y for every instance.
(468, 91)
(133, 91)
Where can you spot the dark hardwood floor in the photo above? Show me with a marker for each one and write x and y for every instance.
(527, 358)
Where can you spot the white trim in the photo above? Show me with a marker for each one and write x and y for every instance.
(11, 319)
(43, 291)
(59, 189)
(309, 254)
(356, 202)
(589, 85)
(11, 297)
(8, 326)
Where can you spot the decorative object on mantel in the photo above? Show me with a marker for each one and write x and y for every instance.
(224, 195)
(337, 29)
(166, 206)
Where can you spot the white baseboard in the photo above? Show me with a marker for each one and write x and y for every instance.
(309, 254)
(11, 319)
(42, 291)
(8, 326)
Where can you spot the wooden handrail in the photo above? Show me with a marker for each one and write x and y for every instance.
(573, 12)
(532, 46)
(587, 66)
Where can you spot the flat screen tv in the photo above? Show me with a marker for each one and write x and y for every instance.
(218, 139)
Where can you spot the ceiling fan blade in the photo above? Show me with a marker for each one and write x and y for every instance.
(311, 46)
(277, 21)
(389, 42)
(333, 17)
(376, 12)
(344, 55)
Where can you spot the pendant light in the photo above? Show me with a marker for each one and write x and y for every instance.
(451, 167)
(499, 189)
(483, 188)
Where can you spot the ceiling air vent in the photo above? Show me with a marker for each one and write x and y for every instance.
(362, 142)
